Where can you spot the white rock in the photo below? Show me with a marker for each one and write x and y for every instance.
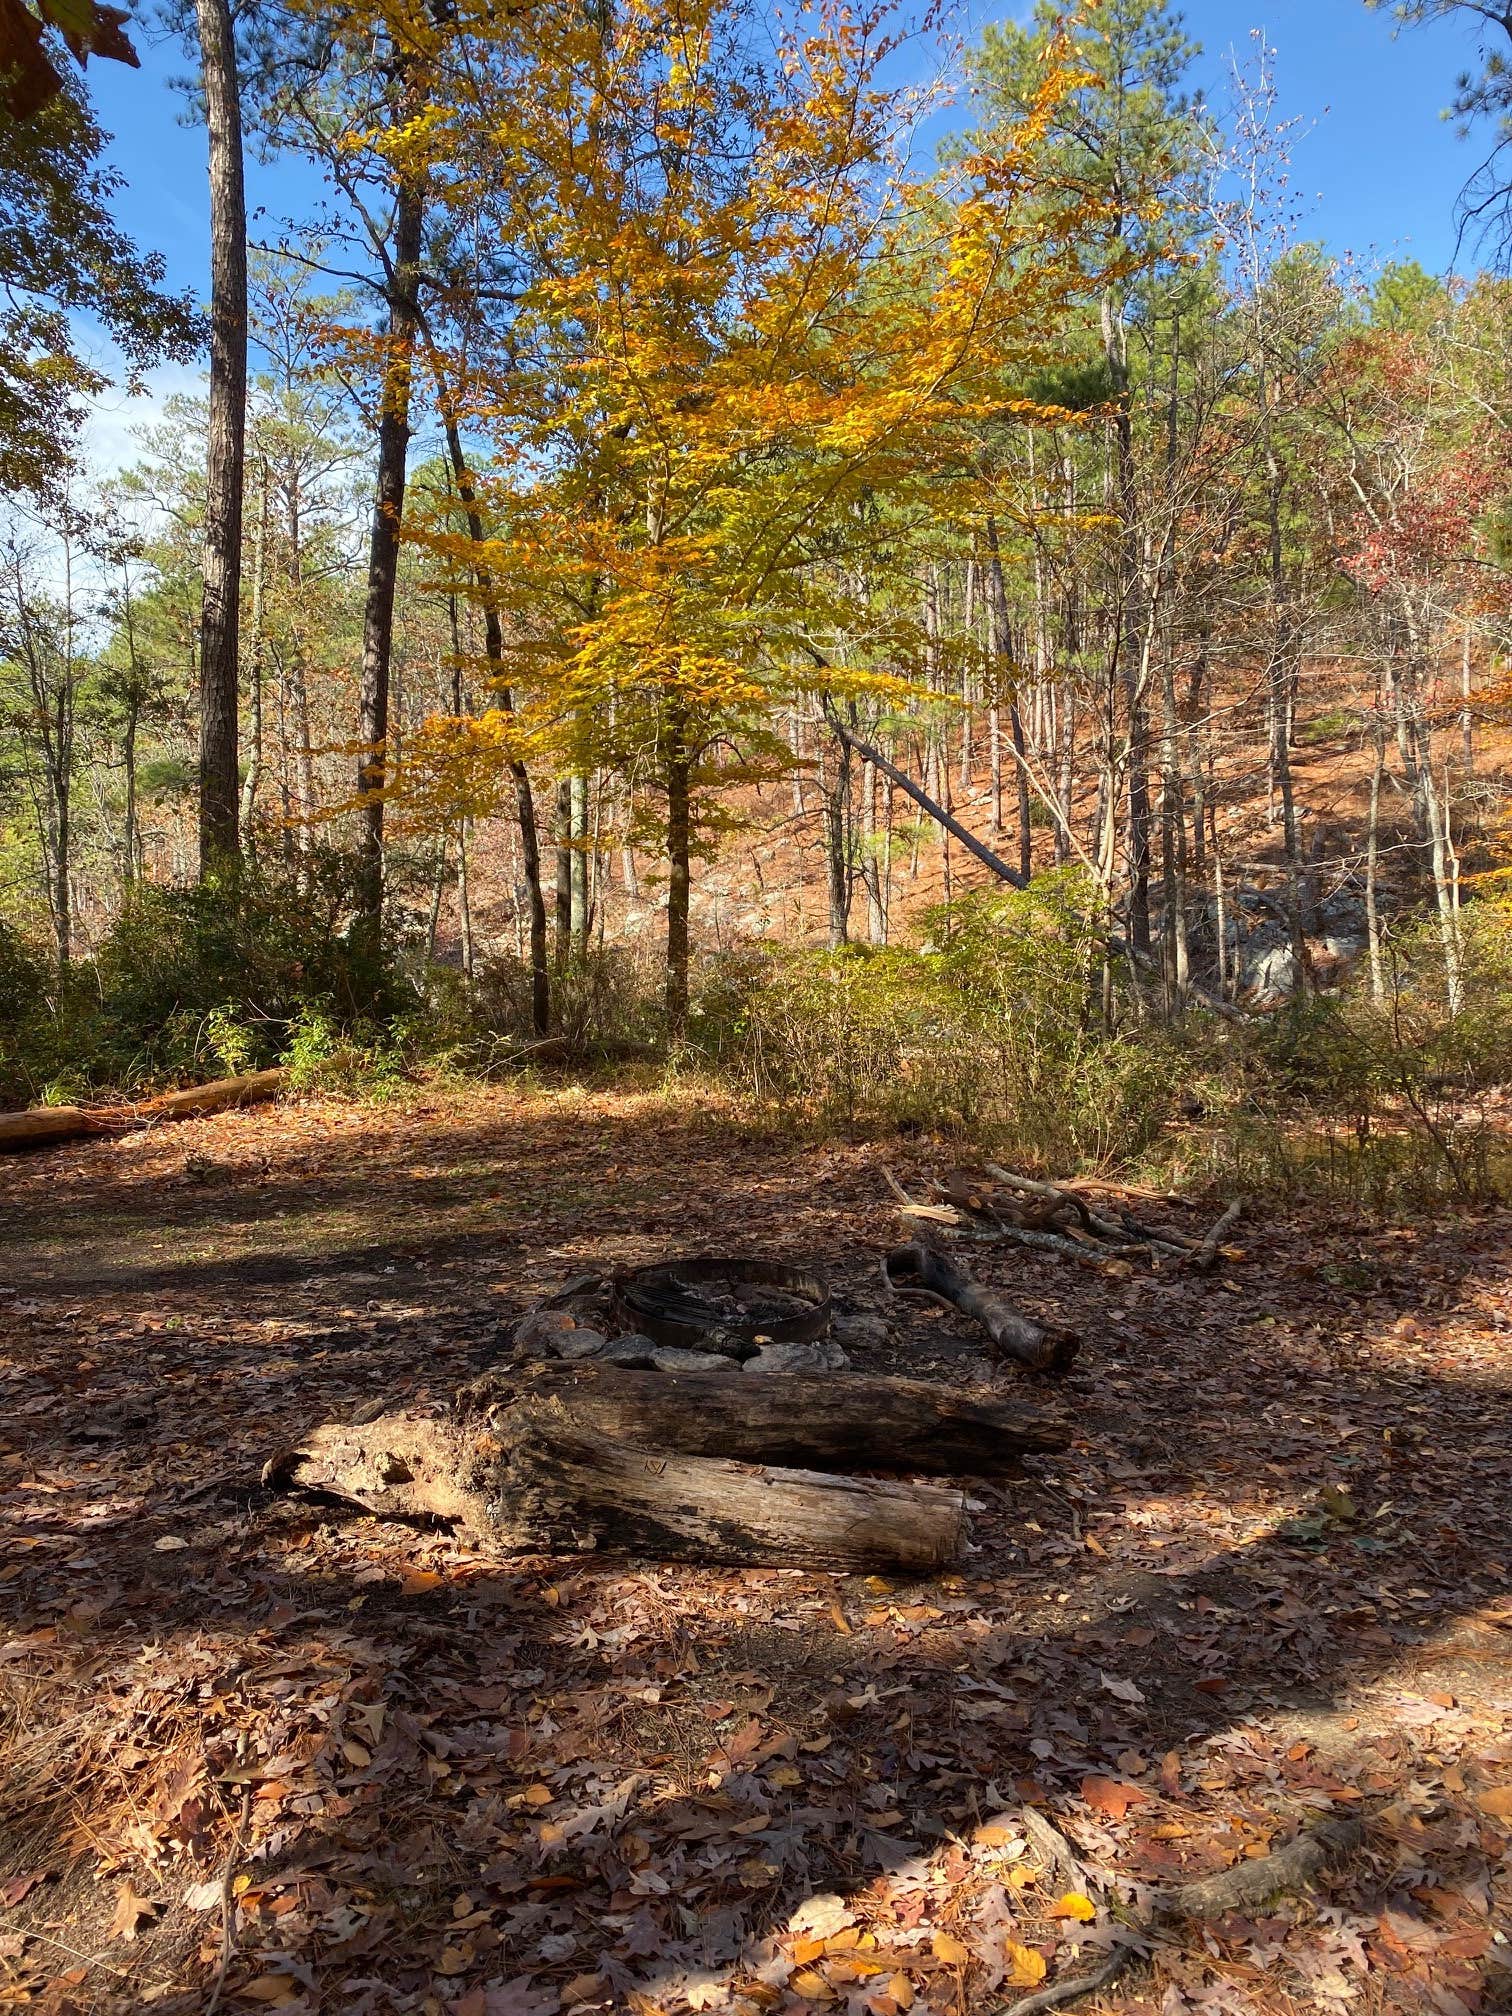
(673, 1358)
(822, 1356)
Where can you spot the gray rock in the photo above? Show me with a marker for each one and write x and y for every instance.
(579, 1343)
(673, 1358)
(862, 1331)
(633, 1351)
(541, 1329)
(822, 1356)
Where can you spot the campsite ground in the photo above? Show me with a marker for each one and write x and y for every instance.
(260, 1752)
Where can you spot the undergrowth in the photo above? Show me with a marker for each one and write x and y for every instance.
(999, 1032)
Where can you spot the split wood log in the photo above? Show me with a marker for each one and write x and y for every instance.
(528, 1483)
(904, 1426)
(918, 1269)
(41, 1126)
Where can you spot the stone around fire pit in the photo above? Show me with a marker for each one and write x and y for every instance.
(863, 1330)
(541, 1330)
(820, 1356)
(578, 1343)
(672, 1358)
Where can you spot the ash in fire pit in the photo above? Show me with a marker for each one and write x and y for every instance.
(691, 1315)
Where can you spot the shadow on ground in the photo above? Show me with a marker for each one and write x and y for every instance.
(266, 1752)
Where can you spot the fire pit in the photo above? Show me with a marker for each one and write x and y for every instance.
(732, 1306)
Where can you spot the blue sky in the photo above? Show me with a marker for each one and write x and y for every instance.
(1379, 167)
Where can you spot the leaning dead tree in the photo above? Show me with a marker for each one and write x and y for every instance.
(715, 1467)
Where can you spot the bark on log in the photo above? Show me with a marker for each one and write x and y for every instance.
(908, 1426)
(1248, 1885)
(40, 1126)
(917, 1269)
(526, 1483)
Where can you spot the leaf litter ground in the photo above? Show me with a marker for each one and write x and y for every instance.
(257, 1753)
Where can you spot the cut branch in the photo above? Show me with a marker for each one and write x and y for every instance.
(918, 1269)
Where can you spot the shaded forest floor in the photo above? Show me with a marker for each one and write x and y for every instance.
(258, 1753)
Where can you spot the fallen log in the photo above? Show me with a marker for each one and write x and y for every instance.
(526, 1483)
(248, 1090)
(907, 1426)
(918, 1270)
(41, 1126)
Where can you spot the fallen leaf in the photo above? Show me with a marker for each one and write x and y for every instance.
(1111, 1797)
(950, 1951)
(1074, 1905)
(268, 1988)
(1026, 1967)
(822, 1917)
(131, 1912)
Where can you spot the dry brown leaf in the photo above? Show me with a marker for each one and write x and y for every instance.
(1026, 1967)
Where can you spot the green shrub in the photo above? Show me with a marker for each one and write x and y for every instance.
(1376, 1104)
(25, 1016)
(991, 1029)
(192, 982)
(606, 1006)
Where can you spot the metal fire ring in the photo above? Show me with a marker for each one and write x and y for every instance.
(652, 1298)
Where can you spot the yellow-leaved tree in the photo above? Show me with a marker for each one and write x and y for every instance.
(726, 331)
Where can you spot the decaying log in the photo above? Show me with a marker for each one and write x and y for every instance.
(565, 1494)
(40, 1126)
(399, 1466)
(904, 1426)
(918, 1269)
(526, 1482)
(248, 1090)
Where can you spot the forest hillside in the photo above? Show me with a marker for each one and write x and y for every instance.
(755, 1009)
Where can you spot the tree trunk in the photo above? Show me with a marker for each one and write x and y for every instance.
(577, 861)
(837, 850)
(525, 813)
(253, 777)
(1001, 637)
(225, 445)
(383, 557)
(1372, 863)
(1467, 735)
(679, 873)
